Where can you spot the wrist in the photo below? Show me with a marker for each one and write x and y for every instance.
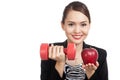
(89, 74)
(60, 67)
(60, 63)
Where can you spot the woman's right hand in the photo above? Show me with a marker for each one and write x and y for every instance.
(57, 53)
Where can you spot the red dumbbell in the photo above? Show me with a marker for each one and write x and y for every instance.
(69, 51)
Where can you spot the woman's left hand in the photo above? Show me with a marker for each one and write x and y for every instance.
(90, 69)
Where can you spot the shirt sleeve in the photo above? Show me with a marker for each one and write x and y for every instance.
(48, 71)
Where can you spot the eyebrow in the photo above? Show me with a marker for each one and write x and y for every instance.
(80, 22)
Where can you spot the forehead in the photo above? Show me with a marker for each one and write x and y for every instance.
(76, 16)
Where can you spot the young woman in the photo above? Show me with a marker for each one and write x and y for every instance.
(76, 24)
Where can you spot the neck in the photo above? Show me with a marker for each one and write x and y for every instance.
(79, 48)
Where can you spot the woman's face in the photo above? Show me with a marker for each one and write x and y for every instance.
(76, 26)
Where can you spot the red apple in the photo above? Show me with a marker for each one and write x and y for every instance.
(89, 55)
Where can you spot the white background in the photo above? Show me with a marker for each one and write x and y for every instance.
(25, 24)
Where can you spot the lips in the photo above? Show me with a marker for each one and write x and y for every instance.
(77, 37)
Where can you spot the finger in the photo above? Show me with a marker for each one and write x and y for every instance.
(97, 64)
(50, 50)
(93, 67)
(57, 51)
(86, 66)
(89, 65)
(54, 52)
(52, 44)
(61, 49)
(83, 66)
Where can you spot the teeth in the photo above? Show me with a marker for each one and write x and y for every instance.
(76, 36)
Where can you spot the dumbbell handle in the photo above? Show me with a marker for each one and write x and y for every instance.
(69, 51)
(65, 51)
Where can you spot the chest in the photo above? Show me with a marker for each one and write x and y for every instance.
(77, 61)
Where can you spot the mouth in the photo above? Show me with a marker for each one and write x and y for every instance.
(77, 37)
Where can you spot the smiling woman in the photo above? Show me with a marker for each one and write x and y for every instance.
(76, 25)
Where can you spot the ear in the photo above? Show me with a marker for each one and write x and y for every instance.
(62, 25)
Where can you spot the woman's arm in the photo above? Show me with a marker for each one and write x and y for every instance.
(49, 72)
(60, 68)
(45, 70)
(102, 72)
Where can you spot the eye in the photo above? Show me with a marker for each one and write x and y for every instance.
(70, 24)
(83, 24)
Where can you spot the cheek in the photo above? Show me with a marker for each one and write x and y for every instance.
(68, 31)
(86, 31)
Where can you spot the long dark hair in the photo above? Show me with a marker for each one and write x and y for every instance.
(77, 6)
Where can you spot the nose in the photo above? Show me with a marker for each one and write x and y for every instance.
(77, 29)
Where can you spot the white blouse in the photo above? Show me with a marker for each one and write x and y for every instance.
(74, 72)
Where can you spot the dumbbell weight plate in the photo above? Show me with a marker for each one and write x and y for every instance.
(44, 51)
(71, 51)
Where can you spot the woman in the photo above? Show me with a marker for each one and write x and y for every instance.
(76, 24)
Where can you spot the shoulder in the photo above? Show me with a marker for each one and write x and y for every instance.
(101, 51)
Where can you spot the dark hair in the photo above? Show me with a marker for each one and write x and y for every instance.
(77, 6)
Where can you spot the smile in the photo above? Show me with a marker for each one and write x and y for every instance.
(77, 37)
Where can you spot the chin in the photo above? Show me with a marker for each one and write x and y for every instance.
(76, 41)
